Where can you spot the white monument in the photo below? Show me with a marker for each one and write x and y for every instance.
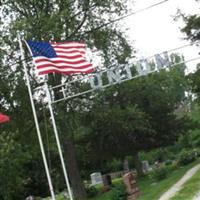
(96, 178)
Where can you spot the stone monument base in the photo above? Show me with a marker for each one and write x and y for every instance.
(133, 196)
(129, 180)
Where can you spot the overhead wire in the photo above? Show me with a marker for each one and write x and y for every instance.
(105, 24)
(86, 76)
(169, 50)
(118, 19)
(174, 49)
(105, 86)
(125, 16)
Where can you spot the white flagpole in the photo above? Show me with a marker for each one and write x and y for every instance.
(36, 121)
(57, 140)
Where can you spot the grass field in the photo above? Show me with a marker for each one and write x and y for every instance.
(189, 189)
(152, 190)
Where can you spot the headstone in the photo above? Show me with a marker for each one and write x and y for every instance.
(96, 178)
(145, 166)
(107, 181)
(129, 180)
(126, 166)
(30, 198)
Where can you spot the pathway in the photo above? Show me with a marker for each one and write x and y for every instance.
(177, 186)
(197, 196)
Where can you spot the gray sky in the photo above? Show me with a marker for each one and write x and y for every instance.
(154, 30)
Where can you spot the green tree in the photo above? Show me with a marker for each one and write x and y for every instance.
(59, 21)
(191, 29)
(137, 115)
(12, 159)
(192, 25)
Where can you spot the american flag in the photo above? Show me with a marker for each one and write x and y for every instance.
(64, 57)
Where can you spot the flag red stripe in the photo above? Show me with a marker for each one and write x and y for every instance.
(82, 67)
(64, 57)
(71, 51)
(70, 57)
(68, 47)
(66, 73)
(59, 61)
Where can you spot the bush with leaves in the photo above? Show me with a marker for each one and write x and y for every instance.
(160, 154)
(119, 193)
(186, 157)
(170, 168)
(113, 165)
(91, 191)
(12, 158)
(159, 173)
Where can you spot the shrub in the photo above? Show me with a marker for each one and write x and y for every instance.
(196, 152)
(119, 193)
(168, 162)
(186, 157)
(190, 140)
(171, 167)
(91, 191)
(195, 138)
(115, 165)
(160, 154)
(60, 198)
(112, 166)
(159, 174)
(184, 141)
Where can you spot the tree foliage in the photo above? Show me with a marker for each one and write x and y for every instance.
(55, 20)
(137, 115)
(120, 121)
(192, 31)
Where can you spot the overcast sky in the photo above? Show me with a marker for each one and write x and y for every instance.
(154, 30)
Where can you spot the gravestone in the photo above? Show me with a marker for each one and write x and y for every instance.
(107, 181)
(30, 198)
(129, 180)
(126, 166)
(145, 166)
(96, 178)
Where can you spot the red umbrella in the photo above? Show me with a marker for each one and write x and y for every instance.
(4, 118)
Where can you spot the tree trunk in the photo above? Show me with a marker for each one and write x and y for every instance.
(137, 164)
(73, 171)
(71, 161)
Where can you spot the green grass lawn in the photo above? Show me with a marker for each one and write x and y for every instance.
(105, 196)
(190, 188)
(152, 190)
